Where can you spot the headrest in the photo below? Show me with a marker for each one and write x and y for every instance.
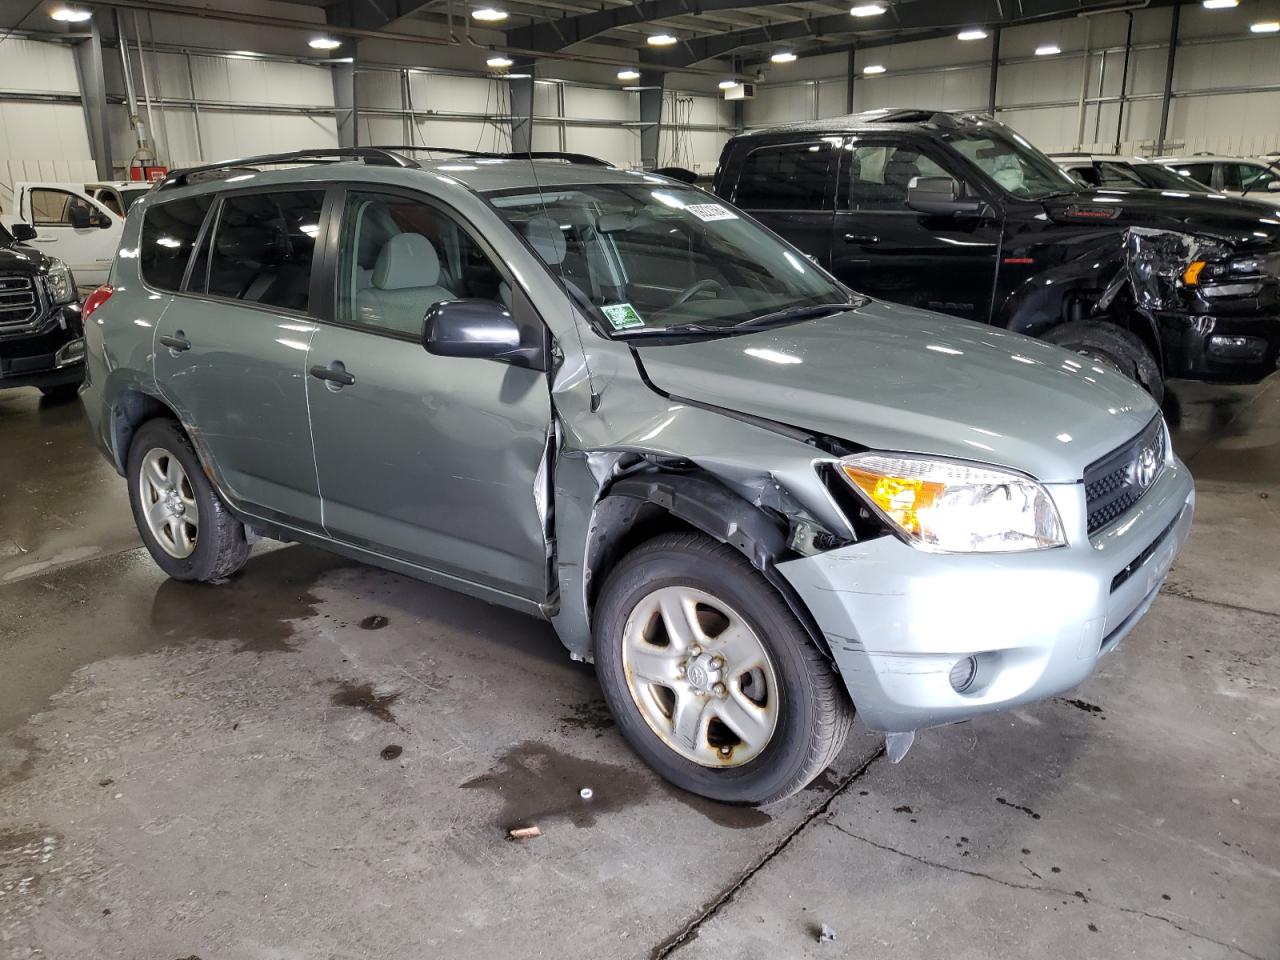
(544, 234)
(407, 260)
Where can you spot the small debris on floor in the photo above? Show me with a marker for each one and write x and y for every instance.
(105, 782)
(375, 622)
(391, 751)
(586, 793)
(523, 833)
(826, 934)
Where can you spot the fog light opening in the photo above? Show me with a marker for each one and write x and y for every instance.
(963, 674)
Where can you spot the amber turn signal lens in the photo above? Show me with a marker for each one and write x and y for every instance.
(1191, 275)
(901, 498)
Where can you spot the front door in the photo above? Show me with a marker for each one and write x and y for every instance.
(438, 461)
(790, 187)
(76, 230)
(231, 349)
(882, 247)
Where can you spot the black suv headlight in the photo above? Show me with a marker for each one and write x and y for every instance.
(61, 283)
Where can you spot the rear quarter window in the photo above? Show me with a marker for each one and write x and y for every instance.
(169, 231)
(788, 176)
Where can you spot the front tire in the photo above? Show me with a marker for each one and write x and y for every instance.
(1115, 347)
(183, 522)
(711, 678)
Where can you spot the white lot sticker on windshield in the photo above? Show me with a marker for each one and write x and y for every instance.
(711, 211)
(622, 316)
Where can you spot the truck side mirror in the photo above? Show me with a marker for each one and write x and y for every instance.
(79, 216)
(940, 196)
(22, 232)
(1273, 186)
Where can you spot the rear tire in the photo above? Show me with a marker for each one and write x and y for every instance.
(1115, 347)
(772, 684)
(183, 522)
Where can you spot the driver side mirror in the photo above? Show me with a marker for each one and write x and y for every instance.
(79, 215)
(22, 232)
(941, 196)
(1273, 186)
(479, 329)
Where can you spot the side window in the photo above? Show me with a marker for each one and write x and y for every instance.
(1246, 176)
(263, 248)
(1202, 172)
(169, 231)
(57, 208)
(109, 200)
(1118, 175)
(791, 176)
(399, 256)
(878, 175)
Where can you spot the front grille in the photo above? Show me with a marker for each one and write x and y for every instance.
(19, 304)
(1132, 566)
(1116, 482)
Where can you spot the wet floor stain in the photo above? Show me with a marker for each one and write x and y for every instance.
(391, 751)
(591, 715)
(825, 782)
(1085, 706)
(1015, 806)
(18, 754)
(375, 622)
(902, 809)
(361, 696)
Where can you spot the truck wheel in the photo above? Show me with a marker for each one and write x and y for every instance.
(1115, 347)
(183, 522)
(711, 678)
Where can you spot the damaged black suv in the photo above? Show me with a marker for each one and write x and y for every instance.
(41, 336)
(956, 212)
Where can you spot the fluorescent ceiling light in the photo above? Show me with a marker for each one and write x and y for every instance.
(70, 14)
(1266, 26)
(786, 56)
(661, 40)
(499, 63)
(873, 68)
(489, 15)
(324, 43)
(728, 84)
(1048, 50)
(975, 34)
(1220, 4)
(867, 10)
(628, 74)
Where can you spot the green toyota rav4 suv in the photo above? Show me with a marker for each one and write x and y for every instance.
(754, 498)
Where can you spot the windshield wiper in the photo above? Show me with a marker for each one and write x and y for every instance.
(674, 330)
(796, 314)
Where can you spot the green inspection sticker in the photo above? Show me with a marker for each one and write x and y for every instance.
(622, 316)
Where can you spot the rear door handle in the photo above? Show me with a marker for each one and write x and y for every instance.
(177, 343)
(335, 375)
(866, 238)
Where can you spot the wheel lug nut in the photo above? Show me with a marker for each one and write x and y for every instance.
(695, 650)
(717, 663)
(720, 689)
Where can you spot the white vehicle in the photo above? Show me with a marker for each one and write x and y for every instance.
(70, 225)
(1253, 178)
(118, 195)
(1125, 173)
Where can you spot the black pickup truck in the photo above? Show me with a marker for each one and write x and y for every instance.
(956, 212)
(41, 337)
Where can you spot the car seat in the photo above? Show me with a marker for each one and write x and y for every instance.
(406, 281)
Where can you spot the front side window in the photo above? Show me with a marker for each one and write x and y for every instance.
(1246, 177)
(1117, 175)
(263, 248)
(879, 175)
(1010, 161)
(57, 208)
(169, 231)
(645, 258)
(791, 176)
(399, 256)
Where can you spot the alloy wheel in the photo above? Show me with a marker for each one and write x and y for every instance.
(169, 503)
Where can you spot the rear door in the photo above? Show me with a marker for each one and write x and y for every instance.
(231, 349)
(74, 228)
(439, 461)
(790, 188)
(882, 247)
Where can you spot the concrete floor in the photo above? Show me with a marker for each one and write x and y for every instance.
(319, 760)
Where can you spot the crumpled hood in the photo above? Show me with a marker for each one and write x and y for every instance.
(895, 378)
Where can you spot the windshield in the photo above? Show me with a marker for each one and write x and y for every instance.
(653, 256)
(1012, 162)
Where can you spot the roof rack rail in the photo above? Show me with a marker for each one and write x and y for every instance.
(374, 156)
(582, 158)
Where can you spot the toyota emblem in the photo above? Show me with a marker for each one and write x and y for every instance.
(1148, 465)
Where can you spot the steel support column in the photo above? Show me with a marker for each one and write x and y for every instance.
(850, 74)
(1124, 82)
(995, 71)
(93, 97)
(521, 88)
(1175, 16)
(344, 103)
(652, 88)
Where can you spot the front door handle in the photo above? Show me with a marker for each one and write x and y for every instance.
(177, 343)
(866, 238)
(334, 375)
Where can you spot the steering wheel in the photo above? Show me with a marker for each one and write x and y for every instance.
(694, 289)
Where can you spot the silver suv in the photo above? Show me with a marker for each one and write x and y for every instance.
(752, 497)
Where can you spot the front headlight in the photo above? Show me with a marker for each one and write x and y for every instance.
(950, 507)
(62, 285)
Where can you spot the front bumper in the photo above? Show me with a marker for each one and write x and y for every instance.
(897, 619)
(1222, 348)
